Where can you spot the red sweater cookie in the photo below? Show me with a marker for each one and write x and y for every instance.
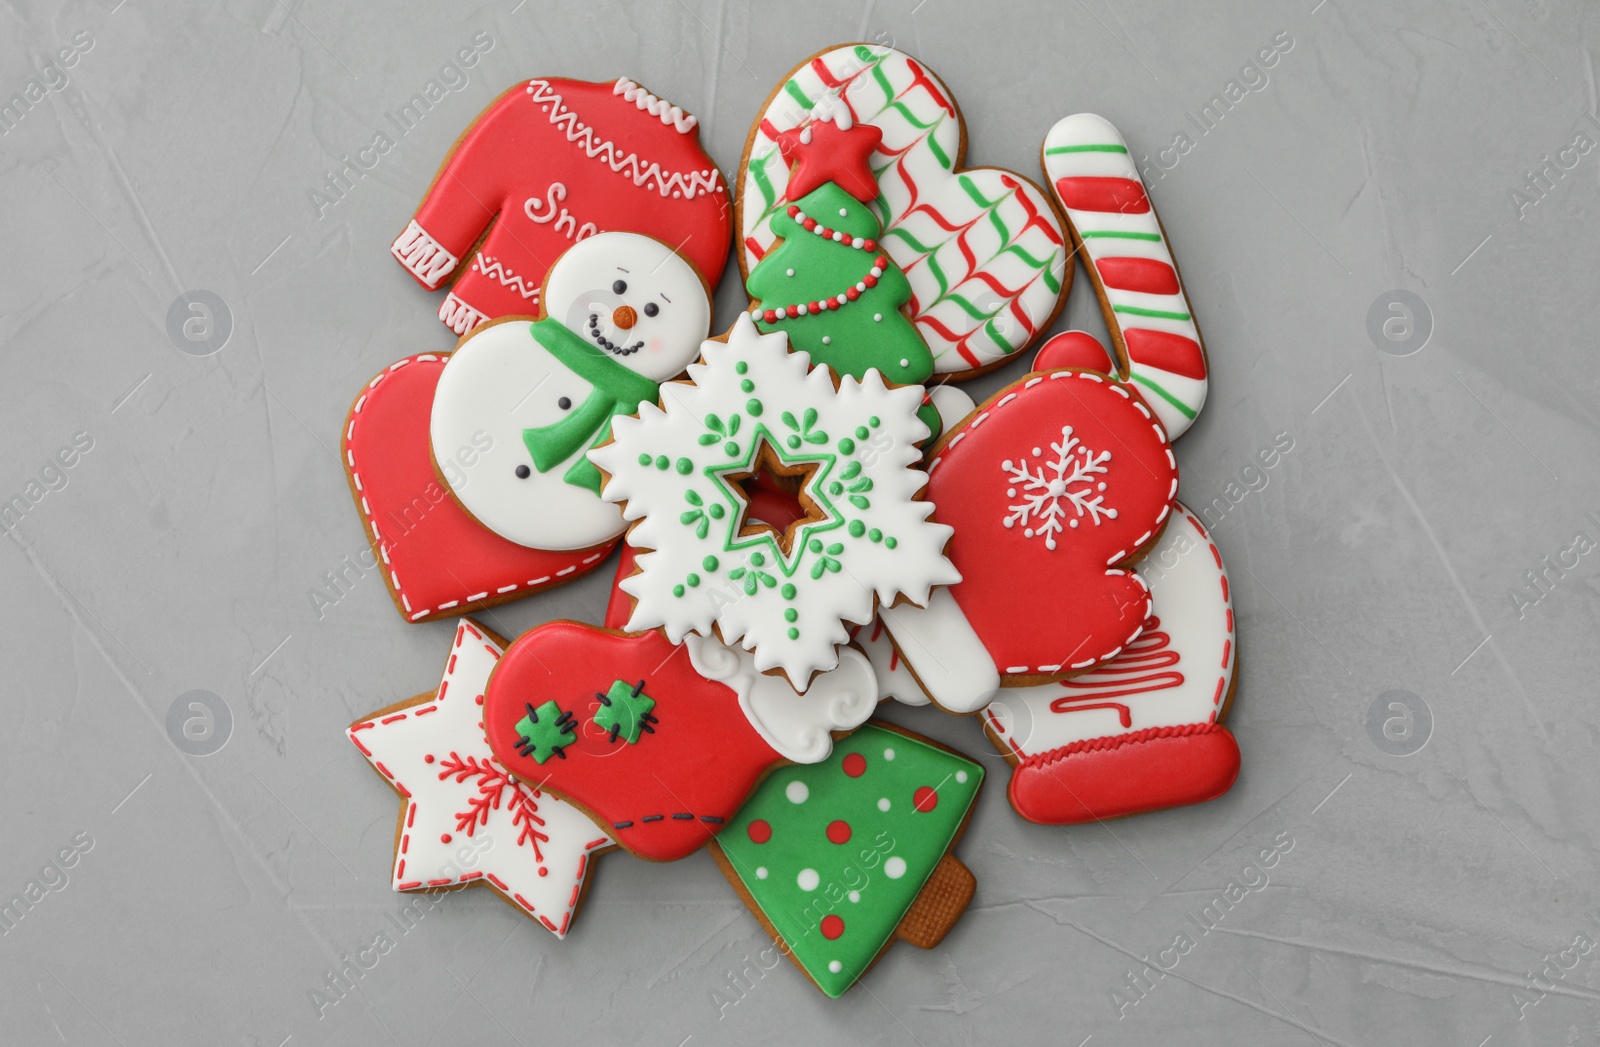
(548, 163)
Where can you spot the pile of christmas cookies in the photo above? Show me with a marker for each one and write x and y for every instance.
(812, 520)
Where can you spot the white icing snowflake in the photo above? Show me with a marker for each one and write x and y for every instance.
(1048, 489)
(865, 538)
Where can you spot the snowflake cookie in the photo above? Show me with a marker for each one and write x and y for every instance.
(752, 408)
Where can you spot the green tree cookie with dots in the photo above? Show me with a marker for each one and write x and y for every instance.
(834, 854)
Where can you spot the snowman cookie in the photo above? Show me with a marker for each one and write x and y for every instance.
(623, 313)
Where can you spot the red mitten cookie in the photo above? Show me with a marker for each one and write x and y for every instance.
(1054, 486)
(548, 163)
(437, 560)
(624, 727)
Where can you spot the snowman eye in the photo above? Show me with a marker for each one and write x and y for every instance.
(651, 308)
(564, 403)
(620, 287)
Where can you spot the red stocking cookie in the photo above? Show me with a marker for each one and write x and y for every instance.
(981, 247)
(838, 859)
(1054, 486)
(1144, 730)
(464, 819)
(549, 163)
(624, 727)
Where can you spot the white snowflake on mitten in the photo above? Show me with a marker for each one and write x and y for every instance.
(1047, 492)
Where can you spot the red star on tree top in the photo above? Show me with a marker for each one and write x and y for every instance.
(824, 151)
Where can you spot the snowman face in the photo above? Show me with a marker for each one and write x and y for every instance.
(634, 298)
(498, 383)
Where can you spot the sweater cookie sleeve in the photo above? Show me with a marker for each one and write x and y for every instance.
(464, 198)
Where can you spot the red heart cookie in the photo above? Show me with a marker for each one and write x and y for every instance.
(623, 726)
(438, 561)
(1054, 485)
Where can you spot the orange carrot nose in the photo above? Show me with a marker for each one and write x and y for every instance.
(624, 317)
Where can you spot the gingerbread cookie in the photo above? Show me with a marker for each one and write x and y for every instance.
(1153, 332)
(549, 163)
(982, 248)
(750, 407)
(464, 819)
(838, 859)
(1056, 484)
(1144, 730)
(623, 313)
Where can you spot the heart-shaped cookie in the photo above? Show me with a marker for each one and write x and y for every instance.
(1054, 486)
(437, 560)
(625, 727)
(983, 247)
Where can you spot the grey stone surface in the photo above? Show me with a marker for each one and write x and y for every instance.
(1424, 893)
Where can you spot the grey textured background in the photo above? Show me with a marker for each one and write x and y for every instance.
(1384, 550)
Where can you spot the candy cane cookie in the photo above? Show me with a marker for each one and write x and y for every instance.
(1154, 336)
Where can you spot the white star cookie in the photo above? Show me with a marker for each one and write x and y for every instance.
(466, 820)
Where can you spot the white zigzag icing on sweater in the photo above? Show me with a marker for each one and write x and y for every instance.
(687, 185)
(658, 107)
(491, 266)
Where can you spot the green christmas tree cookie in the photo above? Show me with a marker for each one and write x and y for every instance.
(827, 283)
(837, 859)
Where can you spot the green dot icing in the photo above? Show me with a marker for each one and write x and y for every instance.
(788, 591)
(874, 534)
(644, 459)
(625, 712)
(545, 731)
(758, 559)
(731, 449)
(862, 432)
(693, 580)
(716, 510)
(741, 367)
(848, 787)
(890, 543)
(747, 386)
(847, 446)
(816, 545)
(790, 614)
(677, 590)
(709, 563)
(856, 528)
(873, 421)
(794, 634)
(685, 467)
(753, 408)
(661, 462)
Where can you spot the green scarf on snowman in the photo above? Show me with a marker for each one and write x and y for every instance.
(617, 390)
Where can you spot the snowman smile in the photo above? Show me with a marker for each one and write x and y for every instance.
(607, 344)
